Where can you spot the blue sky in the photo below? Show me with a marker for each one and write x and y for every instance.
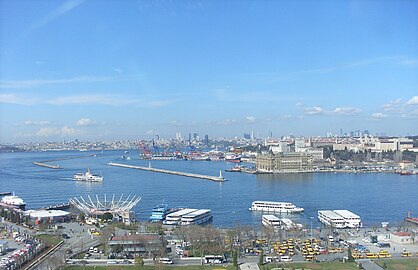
(96, 70)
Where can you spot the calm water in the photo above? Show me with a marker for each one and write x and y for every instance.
(375, 197)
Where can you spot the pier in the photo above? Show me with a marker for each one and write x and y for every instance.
(47, 165)
(193, 175)
(44, 164)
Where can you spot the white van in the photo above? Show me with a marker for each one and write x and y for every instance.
(286, 259)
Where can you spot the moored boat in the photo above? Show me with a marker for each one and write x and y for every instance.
(279, 207)
(159, 213)
(13, 201)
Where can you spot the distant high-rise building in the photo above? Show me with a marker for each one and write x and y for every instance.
(206, 139)
(366, 132)
(252, 135)
(179, 137)
(190, 137)
(247, 136)
(195, 135)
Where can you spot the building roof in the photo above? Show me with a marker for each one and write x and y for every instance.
(47, 213)
(402, 234)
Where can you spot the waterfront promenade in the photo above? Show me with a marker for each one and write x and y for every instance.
(193, 175)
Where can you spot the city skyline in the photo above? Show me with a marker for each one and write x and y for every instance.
(96, 70)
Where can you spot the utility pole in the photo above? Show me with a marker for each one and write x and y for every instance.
(311, 218)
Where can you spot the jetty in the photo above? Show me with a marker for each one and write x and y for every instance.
(150, 169)
(47, 165)
(44, 164)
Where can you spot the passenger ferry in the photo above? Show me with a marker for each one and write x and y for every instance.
(175, 217)
(198, 217)
(351, 220)
(14, 201)
(159, 213)
(279, 223)
(332, 219)
(271, 221)
(88, 177)
(280, 207)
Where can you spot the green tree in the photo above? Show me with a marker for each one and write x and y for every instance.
(107, 216)
(82, 216)
(139, 261)
(350, 255)
(117, 248)
(235, 259)
(360, 266)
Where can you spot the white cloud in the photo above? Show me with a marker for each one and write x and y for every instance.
(67, 131)
(48, 131)
(51, 131)
(378, 115)
(58, 12)
(392, 105)
(226, 122)
(314, 110)
(413, 101)
(341, 111)
(15, 99)
(42, 82)
(151, 132)
(176, 123)
(36, 123)
(85, 122)
(345, 111)
(250, 119)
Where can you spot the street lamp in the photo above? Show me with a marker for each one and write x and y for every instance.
(311, 218)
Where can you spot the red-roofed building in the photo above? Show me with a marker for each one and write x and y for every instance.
(402, 237)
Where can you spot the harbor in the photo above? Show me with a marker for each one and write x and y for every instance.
(219, 178)
(311, 191)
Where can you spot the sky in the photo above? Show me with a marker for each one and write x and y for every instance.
(105, 70)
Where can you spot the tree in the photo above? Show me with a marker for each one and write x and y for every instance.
(384, 265)
(139, 261)
(261, 259)
(117, 248)
(82, 216)
(360, 266)
(350, 255)
(107, 216)
(235, 259)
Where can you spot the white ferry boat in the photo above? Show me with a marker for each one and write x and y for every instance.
(88, 177)
(331, 218)
(198, 217)
(13, 201)
(271, 221)
(351, 220)
(278, 223)
(280, 207)
(175, 217)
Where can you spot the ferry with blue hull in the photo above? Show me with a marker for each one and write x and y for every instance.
(159, 212)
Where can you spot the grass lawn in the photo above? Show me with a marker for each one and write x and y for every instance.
(115, 267)
(306, 266)
(313, 266)
(50, 240)
(401, 264)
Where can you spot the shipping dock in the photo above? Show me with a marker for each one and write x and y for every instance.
(193, 175)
